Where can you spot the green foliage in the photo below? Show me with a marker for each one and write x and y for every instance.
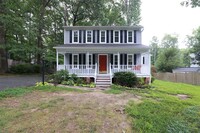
(192, 3)
(41, 84)
(59, 76)
(168, 57)
(154, 49)
(25, 68)
(128, 79)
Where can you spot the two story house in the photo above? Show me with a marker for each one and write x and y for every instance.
(100, 51)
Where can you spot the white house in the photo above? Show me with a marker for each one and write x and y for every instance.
(100, 51)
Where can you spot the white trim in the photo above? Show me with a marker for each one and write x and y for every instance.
(115, 65)
(100, 36)
(73, 36)
(132, 60)
(114, 36)
(106, 63)
(77, 61)
(128, 36)
(87, 36)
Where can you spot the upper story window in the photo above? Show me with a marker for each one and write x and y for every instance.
(102, 36)
(130, 36)
(88, 36)
(116, 36)
(75, 36)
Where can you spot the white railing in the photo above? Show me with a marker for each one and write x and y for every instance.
(80, 70)
(95, 73)
(110, 74)
(132, 68)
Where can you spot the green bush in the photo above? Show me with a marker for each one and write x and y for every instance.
(128, 79)
(58, 77)
(25, 68)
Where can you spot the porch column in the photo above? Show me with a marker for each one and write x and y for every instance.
(57, 60)
(65, 60)
(87, 59)
(118, 61)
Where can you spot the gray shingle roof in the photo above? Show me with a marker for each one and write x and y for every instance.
(136, 27)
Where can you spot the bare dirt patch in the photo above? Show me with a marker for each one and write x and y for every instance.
(69, 112)
(182, 96)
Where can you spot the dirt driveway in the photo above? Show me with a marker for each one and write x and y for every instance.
(71, 112)
(13, 81)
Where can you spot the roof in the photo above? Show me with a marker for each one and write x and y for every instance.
(136, 27)
(186, 69)
(103, 47)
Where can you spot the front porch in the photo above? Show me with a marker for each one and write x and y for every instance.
(94, 64)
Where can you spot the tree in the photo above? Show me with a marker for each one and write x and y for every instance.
(192, 3)
(154, 49)
(168, 57)
(194, 44)
(132, 11)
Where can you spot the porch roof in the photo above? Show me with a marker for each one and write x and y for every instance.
(102, 48)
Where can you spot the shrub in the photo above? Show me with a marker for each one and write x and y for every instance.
(74, 77)
(41, 84)
(58, 77)
(25, 68)
(128, 79)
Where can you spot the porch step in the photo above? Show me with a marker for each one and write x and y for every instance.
(103, 81)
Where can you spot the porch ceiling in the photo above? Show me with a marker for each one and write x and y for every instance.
(102, 48)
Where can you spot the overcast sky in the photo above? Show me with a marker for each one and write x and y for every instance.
(161, 17)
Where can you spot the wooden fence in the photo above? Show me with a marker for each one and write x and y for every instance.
(189, 78)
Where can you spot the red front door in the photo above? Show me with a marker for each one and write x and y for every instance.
(102, 63)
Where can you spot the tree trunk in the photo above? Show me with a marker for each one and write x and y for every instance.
(3, 53)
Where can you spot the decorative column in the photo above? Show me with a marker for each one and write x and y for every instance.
(57, 60)
(118, 61)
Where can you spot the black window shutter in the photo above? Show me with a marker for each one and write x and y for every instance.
(93, 59)
(121, 36)
(121, 59)
(135, 59)
(93, 36)
(84, 36)
(135, 36)
(111, 58)
(70, 59)
(125, 59)
(107, 36)
(84, 60)
(80, 60)
(98, 36)
(80, 37)
(111, 36)
(125, 36)
(70, 36)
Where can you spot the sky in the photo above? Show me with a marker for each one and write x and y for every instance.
(160, 17)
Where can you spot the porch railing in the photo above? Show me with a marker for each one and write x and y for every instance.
(80, 70)
(132, 68)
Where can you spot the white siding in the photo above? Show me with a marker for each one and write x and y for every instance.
(66, 36)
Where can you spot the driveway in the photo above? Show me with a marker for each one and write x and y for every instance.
(18, 81)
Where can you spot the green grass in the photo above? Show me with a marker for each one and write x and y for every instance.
(162, 111)
(24, 90)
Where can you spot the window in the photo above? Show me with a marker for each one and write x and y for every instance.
(115, 61)
(130, 60)
(130, 36)
(90, 61)
(102, 36)
(116, 36)
(143, 60)
(75, 36)
(75, 60)
(88, 36)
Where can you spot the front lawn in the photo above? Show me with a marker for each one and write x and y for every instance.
(166, 107)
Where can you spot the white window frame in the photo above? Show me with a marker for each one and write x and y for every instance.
(114, 36)
(73, 66)
(128, 36)
(101, 36)
(87, 36)
(129, 66)
(114, 57)
(90, 65)
(73, 36)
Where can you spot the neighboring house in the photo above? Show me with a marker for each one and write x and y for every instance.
(193, 61)
(187, 70)
(100, 51)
